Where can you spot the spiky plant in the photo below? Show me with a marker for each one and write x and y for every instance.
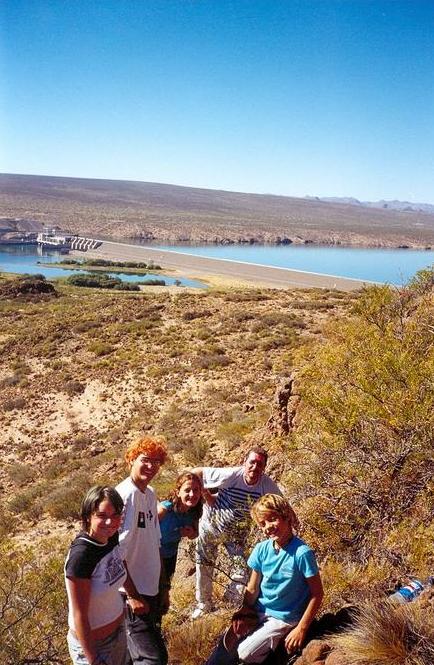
(387, 634)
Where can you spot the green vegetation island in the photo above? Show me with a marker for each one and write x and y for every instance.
(121, 267)
(337, 386)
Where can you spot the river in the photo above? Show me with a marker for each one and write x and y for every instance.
(24, 259)
(392, 266)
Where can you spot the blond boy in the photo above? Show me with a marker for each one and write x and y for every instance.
(284, 588)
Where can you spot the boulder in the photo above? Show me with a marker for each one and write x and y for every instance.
(316, 650)
(335, 657)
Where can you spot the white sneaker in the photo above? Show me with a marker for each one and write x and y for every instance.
(201, 610)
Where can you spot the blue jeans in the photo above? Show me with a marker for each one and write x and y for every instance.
(145, 642)
(112, 648)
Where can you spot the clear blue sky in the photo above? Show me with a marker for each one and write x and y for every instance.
(295, 97)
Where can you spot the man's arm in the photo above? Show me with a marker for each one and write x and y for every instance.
(198, 471)
(208, 496)
(295, 639)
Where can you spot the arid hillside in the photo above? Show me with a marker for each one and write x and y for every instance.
(82, 374)
(337, 386)
(169, 213)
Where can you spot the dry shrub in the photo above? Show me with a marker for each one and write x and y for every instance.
(387, 634)
(202, 637)
(32, 605)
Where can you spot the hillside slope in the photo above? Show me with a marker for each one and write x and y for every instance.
(153, 211)
(84, 372)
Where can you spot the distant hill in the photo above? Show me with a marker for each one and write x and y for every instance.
(170, 213)
(403, 206)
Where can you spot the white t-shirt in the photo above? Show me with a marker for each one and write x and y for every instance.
(139, 536)
(235, 497)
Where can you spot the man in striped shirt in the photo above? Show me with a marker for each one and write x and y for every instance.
(226, 521)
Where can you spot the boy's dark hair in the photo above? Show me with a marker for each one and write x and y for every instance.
(258, 450)
(196, 511)
(92, 500)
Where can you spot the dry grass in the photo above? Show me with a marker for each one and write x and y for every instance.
(191, 643)
(387, 634)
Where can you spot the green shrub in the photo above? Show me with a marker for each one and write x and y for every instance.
(20, 474)
(32, 606)
(65, 500)
(73, 387)
(212, 361)
(14, 404)
(100, 348)
(153, 282)
(195, 452)
(24, 501)
(101, 281)
(364, 467)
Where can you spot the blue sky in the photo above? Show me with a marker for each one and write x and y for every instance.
(295, 97)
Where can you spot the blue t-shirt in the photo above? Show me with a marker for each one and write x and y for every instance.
(284, 592)
(170, 527)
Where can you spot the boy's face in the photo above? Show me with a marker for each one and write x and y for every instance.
(143, 469)
(276, 527)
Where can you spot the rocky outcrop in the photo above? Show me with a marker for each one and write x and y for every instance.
(320, 652)
(286, 401)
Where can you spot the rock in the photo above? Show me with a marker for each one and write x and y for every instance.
(286, 402)
(315, 651)
(335, 657)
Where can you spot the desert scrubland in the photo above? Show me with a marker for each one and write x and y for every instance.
(337, 386)
(168, 213)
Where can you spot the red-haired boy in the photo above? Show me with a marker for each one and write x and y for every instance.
(139, 541)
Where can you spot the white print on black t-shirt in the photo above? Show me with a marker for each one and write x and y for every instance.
(114, 570)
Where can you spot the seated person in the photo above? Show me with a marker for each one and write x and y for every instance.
(284, 590)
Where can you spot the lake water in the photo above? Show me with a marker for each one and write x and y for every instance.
(394, 266)
(24, 259)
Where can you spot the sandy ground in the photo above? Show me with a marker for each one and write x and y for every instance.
(223, 272)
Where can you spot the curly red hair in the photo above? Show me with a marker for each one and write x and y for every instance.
(151, 446)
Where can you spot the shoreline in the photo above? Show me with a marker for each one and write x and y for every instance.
(220, 271)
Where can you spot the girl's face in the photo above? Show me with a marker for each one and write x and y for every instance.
(189, 494)
(276, 527)
(104, 522)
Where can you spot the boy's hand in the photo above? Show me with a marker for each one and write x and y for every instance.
(295, 639)
(138, 605)
(244, 621)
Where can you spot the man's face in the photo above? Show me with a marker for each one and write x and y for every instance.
(253, 468)
(143, 469)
